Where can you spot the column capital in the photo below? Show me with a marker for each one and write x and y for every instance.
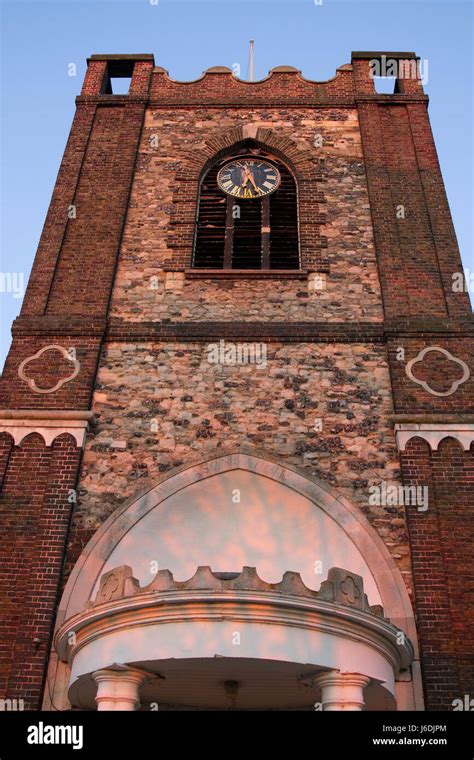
(118, 687)
(342, 691)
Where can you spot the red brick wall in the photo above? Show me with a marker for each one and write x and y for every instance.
(67, 299)
(442, 540)
(417, 257)
(35, 509)
(435, 368)
(66, 304)
(47, 370)
(418, 253)
(83, 275)
(223, 88)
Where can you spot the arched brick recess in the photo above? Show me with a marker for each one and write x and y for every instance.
(453, 476)
(6, 446)
(307, 173)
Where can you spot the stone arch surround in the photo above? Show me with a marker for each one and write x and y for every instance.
(392, 591)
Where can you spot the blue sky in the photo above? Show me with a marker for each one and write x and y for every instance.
(40, 39)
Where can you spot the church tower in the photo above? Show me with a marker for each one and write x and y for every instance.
(236, 423)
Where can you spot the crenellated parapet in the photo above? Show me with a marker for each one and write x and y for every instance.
(341, 586)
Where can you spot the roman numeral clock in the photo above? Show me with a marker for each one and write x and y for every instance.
(248, 178)
(247, 214)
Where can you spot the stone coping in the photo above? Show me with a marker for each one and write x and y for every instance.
(122, 57)
(370, 54)
(46, 414)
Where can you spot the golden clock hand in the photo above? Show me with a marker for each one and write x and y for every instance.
(253, 182)
(248, 176)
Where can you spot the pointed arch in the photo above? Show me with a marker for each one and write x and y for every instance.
(301, 163)
(265, 232)
(264, 468)
(347, 516)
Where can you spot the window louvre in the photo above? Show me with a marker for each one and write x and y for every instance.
(232, 233)
(210, 234)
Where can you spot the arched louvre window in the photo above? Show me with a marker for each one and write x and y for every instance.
(235, 231)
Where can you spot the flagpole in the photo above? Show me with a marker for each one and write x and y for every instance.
(251, 60)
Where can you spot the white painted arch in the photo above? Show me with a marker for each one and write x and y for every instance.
(102, 550)
(114, 541)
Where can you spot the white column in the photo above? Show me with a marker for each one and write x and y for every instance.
(119, 689)
(342, 691)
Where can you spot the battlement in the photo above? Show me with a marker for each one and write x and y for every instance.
(221, 85)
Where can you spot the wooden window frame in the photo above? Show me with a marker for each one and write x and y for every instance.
(265, 231)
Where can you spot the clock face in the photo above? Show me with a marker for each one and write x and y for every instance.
(248, 178)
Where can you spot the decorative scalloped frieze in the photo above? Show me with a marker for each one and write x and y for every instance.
(433, 434)
(49, 425)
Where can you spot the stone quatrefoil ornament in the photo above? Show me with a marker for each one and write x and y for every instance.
(425, 385)
(31, 382)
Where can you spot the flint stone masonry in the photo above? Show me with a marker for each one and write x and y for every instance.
(169, 404)
(144, 290)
